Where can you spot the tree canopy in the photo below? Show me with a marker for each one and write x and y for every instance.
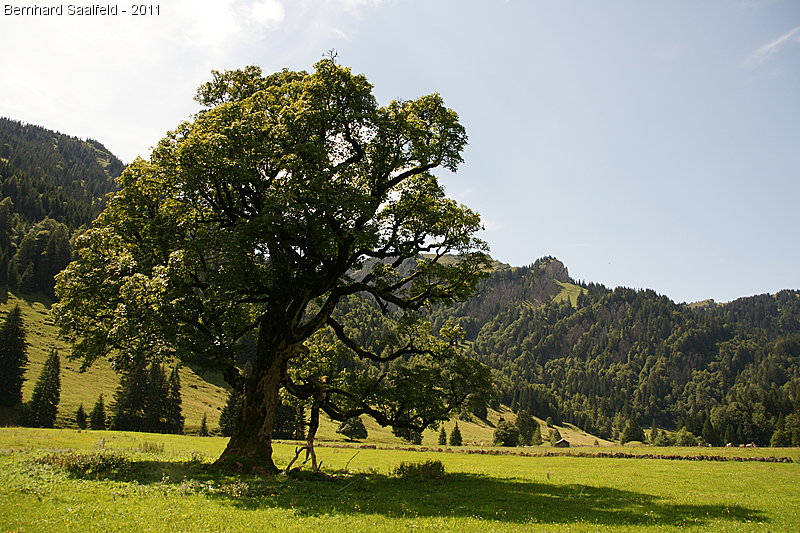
(290, 196)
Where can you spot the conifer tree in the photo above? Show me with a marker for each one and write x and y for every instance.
(536, 438)
(204, 426)
(555, 436)
(155, 400)
(172, 404)
(97, 418)
(43, 406)
(709, 432)
(443, 436)
(632, 432)
(455, 436)
(653, 432)
(525, 424)
(730, 434)
(130, 399)
(80, 417)
(13, 358)
(227, 419)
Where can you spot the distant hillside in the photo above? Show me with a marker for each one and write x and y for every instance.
(595, 357)
(50, 185)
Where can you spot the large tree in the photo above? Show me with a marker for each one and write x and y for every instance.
(291, 196)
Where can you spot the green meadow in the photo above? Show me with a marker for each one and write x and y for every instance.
(63, 480)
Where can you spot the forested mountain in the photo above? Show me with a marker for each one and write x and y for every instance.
(728, 372)
(50, 186)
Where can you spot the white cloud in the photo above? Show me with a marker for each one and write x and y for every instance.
(356, 5)
(126, 80)
(765, 51)
(268, 12)
(340, 34)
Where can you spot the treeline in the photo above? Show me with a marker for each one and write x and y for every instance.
(51, 185)
(728, 373)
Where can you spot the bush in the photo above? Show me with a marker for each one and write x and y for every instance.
(353, 428)
(151, 447)
(506, 434)
(684, 437)
(428, 470)
(93, 465)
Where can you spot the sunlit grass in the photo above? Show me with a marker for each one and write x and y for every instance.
(174, 488)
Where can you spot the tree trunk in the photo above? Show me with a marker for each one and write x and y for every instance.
(313, 425)
(250, 447)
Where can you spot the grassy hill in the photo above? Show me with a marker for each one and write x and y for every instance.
(200, 394)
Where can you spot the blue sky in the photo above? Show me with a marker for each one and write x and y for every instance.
(645, 144)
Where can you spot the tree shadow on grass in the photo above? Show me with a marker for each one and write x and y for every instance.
(488, 498)
(457, 496)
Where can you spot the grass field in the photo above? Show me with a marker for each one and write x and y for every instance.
(165, 483)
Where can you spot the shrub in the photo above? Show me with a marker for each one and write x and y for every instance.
(425, 471)
(684, 437)
(353, 428)
(93, 465)
(151, 447)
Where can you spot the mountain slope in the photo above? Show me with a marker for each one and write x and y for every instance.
(50, 185)
(595, 357)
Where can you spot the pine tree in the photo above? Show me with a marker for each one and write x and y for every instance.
(555, 436)
(730, 434)
(455, 436)
(536, 438)
(204, 427)
(709, 433)
(173, 413)
(525, 424)
(13, 358)
(227, 419)
(80, 417)
(443, 436)
(130, 399)
(632, 432)
(97, 418)
(155, 400)
(43, 407)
